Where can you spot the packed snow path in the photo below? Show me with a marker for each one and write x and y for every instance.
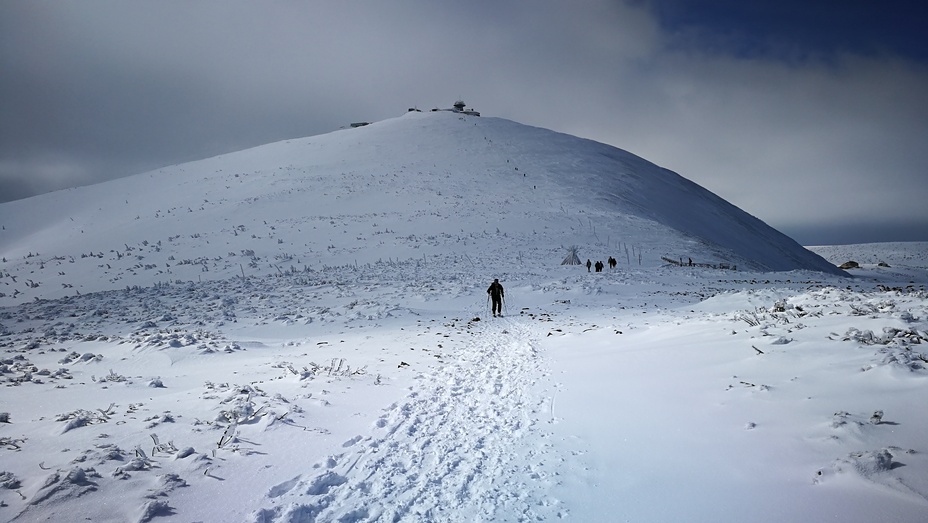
(468, 444)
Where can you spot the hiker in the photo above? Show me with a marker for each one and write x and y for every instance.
(599, 266)
(588, 265)
(496, 296)
(612, 262)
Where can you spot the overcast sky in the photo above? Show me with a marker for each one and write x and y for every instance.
(811, 115)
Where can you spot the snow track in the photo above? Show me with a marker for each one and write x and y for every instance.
(468, 444)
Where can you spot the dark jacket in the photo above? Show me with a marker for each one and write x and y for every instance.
(496, 290)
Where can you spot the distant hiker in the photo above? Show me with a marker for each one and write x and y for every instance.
(588, 265)
(599, 266)
(496, 296)
(612, 262)
(691, 262)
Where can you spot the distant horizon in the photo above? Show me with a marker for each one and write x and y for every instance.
(842, 237)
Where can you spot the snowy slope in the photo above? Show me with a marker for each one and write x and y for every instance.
(299, 333)
(424, 186)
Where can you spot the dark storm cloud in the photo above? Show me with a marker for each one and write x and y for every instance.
(93, 90)
(796, 29)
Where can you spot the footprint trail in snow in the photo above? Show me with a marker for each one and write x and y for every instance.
(468, 445)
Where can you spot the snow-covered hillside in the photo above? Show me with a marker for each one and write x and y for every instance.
(300, 333)
(439, 188)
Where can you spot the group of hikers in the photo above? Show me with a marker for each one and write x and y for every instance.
(496, 293)
(599, 265)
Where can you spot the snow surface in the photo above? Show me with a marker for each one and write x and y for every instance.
(300, 333)
(434, 187)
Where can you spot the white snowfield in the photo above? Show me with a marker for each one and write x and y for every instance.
(315, 345)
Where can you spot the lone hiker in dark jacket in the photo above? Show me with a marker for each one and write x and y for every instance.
(496, 295)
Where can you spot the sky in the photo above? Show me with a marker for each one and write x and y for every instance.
(809, 115)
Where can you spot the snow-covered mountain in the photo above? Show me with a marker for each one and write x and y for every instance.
(434, 187)
(300, 332)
